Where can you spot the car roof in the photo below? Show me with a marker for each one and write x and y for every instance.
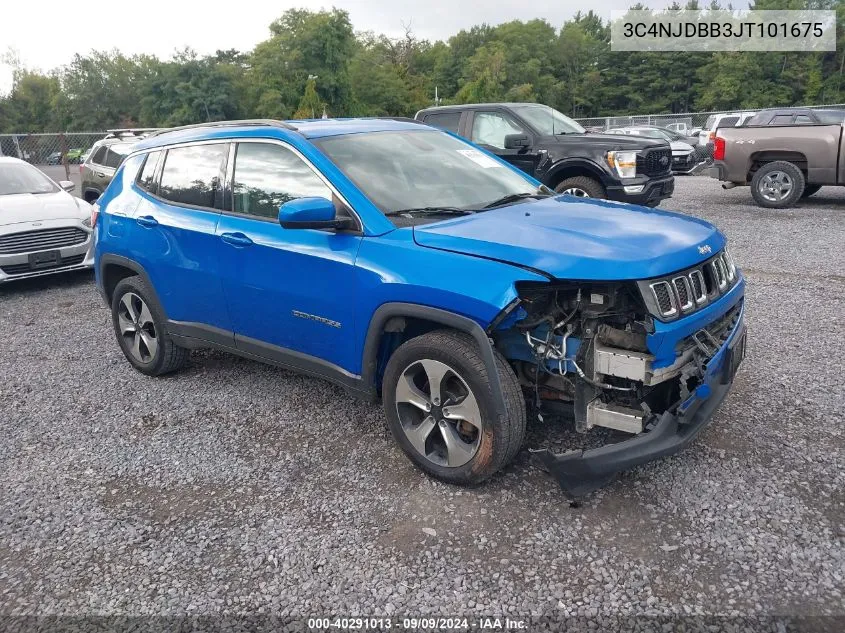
(306, 128)
(472, 106)
(11, 160)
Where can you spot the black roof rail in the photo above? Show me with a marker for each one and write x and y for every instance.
(243, 122)
(406, 119)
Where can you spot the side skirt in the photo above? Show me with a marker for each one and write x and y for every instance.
(201, 336)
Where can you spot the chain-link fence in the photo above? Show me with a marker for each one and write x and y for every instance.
(683, 123)
(64, 148)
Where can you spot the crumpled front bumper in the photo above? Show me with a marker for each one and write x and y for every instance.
(583, 471)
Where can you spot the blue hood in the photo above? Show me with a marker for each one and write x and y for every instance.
(579, 239)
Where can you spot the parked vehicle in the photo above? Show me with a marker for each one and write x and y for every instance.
(782, 163)
(104, 157)
(399, 261)
(53, 159)
(74, 155)
(685, 158)
(43, 229)
(796, 116)
(560, 153)
(716, 121)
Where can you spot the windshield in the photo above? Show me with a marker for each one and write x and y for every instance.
(651, 132)
(547, 120)
(422, 169)
(17, 178)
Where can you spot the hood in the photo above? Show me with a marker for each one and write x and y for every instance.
(679, 147)
(29, 207)
(571, 238)
(609, 141)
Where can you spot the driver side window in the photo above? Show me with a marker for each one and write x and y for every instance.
(490, 128)
(268, 175)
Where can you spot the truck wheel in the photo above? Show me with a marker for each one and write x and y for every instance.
(581, 187)
(139, 327)
(809, 190)
(440, 409)
(777, 185)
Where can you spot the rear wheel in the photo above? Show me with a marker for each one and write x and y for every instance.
(139, 327)
(581, 187)
(809, 190)
(441, 412)
(777, 185)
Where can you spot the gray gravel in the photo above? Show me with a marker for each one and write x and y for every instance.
(234, 487)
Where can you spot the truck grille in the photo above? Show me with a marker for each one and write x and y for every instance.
(655, 162)
(21, 269)
(692, 289)
(41, 240)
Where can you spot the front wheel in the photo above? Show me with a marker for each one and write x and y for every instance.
(440, 408)
(777, 185)
(581, 187)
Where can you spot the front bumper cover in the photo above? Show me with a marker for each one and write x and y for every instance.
(583, 471)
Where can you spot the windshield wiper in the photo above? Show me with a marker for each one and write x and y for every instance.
(515, 197)
(431, 210)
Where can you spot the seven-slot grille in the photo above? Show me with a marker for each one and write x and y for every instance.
(692, 289)
(654, 162)
(41, 240)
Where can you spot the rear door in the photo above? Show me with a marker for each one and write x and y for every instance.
(488, 128)
(172, 234)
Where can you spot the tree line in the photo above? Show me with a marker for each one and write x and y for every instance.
(315, 62)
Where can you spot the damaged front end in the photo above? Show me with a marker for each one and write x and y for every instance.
(652, 359)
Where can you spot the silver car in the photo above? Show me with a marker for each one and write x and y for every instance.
(43, 229)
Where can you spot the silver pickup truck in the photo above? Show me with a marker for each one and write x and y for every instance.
(783, 160)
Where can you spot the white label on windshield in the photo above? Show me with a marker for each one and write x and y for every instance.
(478, 158)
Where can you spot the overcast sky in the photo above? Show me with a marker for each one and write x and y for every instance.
(46, 33)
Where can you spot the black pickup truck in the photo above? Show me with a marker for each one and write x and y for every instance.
(560, 153)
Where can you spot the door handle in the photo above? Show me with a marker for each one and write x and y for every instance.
(236, 239)
(99, 174)
(147, 221)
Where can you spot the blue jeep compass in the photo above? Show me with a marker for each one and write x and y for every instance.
(403, 263)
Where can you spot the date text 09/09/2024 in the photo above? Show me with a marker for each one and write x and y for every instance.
(413, 624)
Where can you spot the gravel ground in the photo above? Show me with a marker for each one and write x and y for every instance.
(234, 487)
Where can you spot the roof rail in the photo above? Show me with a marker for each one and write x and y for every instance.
(195, 126)
(406, 119)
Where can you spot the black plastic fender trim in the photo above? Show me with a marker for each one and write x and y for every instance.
(449, 319)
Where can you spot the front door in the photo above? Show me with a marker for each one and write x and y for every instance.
(489, 129)
(287, 289)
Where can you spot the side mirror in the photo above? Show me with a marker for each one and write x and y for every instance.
(516, 141)
(311, 213)
(67, 185)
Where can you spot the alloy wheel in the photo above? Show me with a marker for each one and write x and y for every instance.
(775, 186)
(438, 413)
(137, 327)
(575, 191)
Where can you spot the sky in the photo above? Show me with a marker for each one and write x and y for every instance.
(45, 34)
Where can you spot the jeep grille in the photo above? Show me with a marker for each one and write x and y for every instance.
(690, 290)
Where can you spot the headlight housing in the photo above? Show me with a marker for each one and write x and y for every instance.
(625, 163)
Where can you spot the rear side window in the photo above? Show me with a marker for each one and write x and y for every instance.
(711, 120)
(191, 175)
(147, 178)
(803, 119)
(116, 153)
(267, 176)
(100, 156)
(728, 121)
(781, 119)
(449, 121)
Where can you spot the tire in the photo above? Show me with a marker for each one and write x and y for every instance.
(139, 327)
(777, 185)
(809, 190)
(478, 449)
(586, 186)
